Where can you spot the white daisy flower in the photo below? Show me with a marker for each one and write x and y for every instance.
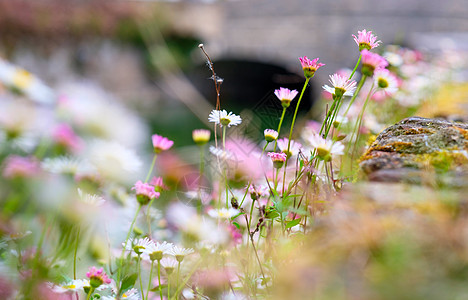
(157, 250)
(114, 161)
(294, 147)
(342, 86)
(26, 82)
(326, 148)
(98, 113)
(180, 253)
(67, 165)
(132, 294)
(169, 264)
(385, 81)
(222, 154)
(139, 246)
(71, 286)
(223, 213)
(91, 199)
(223, 118)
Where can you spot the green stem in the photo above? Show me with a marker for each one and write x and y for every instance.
(74, 254)
(264, 148)
(279, 126)
(227, 189)
(125, 246)
(178, 275)
(159, 278)
(295, 112)
(168, 288)
(355, 67)
(292, 128)
(224, 137)
(245, 194)
(149, 282)
(200, 176)
(358, 89)
(148, 218)
(202, 161)
(139, 274)
(151, 168)
(359, 121)
(276, 178)
(90, 292)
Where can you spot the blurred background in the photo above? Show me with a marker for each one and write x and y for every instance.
(145, 53)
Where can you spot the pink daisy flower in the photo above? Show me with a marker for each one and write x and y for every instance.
(158, 184)
(278, 159)
(64, 135)
(372, 61)
(285, 96)
(161, 143)
(97, 277)
(20, 167)
(366, 40)
(309, 66)
(144, 192)
(341, 86)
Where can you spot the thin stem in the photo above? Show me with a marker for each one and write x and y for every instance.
(139, 274)
(202, 161)
(359, 122)
(258, 259)
(148, 218)
(224, 137)
(292, 128)
(215, 77)
(356, 92)
(90, 292)
(74, 254)
(125, 245)
(151, 168)
(159, 278)
(149, 282)
(264, 148)
(245, 194)
(168, 288)
(178, 276)
(279, 126)
(355, 67)
(295, 112)
(227, 189)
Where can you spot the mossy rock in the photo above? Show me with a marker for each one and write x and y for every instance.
(416, 148)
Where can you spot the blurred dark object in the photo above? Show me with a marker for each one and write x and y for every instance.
(246, 84)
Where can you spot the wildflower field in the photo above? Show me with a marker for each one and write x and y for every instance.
(96, 206)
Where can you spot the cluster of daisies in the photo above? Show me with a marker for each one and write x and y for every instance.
(166, 255)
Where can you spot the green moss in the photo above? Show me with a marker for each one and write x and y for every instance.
(412, 131)
(442, 161)
(393, 147)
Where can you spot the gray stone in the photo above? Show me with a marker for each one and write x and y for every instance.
(419, 150)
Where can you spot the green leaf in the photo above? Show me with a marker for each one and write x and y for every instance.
(156, 289)
(292, 223)
(128, 282)
(236, 224)
(273, 214)
(239, 214)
